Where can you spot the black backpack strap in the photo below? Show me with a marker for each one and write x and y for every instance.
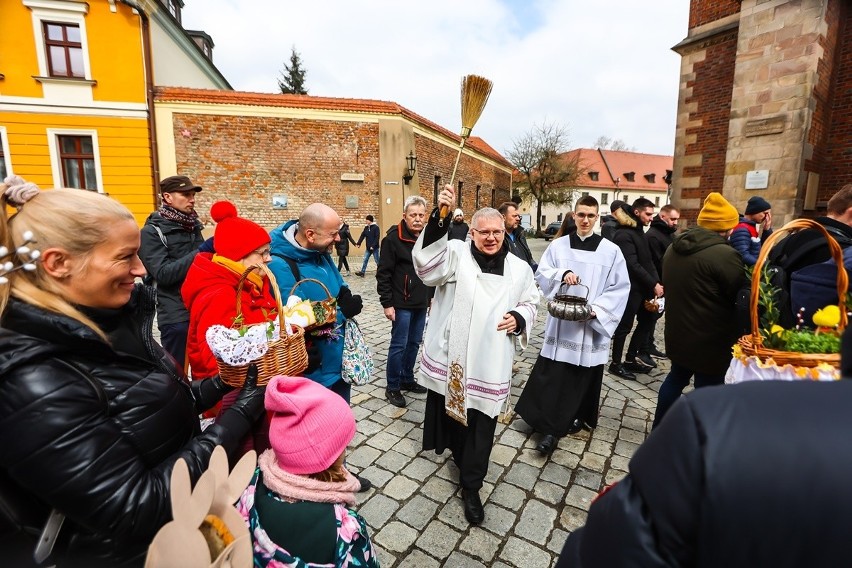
(294, 268)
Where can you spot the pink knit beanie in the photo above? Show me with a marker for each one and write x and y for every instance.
(310, 426)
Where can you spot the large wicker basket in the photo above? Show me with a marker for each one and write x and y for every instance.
(286, 355)
(752, 345)
(326, 310)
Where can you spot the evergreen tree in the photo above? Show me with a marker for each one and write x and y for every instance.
(292, 81)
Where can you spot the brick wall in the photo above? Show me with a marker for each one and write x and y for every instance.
(706, 11)
(249, 159)
(837, 161)
(711, 84)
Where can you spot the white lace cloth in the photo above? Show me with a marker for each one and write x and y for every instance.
(753, 369)
(234, 349)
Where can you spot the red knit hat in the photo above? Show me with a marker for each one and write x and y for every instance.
(235, 238)
(310, 427)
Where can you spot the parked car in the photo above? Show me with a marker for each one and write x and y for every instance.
(551, 230)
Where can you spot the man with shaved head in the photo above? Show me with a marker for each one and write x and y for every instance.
(302, 249)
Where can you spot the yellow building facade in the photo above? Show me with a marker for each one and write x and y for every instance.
(73, 98)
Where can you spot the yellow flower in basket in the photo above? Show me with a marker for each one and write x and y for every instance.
(829, 316)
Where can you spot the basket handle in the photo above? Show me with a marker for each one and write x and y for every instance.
(303, 280)
(775, 237)
(273, 283)
(566, 286)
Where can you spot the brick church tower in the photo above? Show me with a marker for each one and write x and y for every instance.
(765, 102)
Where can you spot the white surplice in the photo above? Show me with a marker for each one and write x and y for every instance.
(473, 304)
(605, 273)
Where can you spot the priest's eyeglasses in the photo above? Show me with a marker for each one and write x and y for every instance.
(495, 234)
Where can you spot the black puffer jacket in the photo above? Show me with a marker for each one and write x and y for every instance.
(94, 432)
(342, 246)
(729, 479)
(630, 238)
(168, 263)
(659, 237)
(396, 280)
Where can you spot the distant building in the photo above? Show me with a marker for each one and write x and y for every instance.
(76, 91)
(765, 104)
(273, 154)
(608, 175)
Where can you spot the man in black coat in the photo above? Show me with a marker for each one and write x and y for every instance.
(371, 235)
(515, 234)
(659, 236)
(169, 242)
(458, 228)
(608, 222)
(405, 299)
(644, 285)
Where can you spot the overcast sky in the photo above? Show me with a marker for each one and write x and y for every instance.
(600, 68)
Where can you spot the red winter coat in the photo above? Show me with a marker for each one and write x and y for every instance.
(209, 293)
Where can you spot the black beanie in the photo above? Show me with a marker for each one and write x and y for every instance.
(757, 204)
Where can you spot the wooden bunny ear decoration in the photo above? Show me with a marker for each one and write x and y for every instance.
(206, 530)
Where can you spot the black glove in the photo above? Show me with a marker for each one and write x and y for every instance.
(314, 357)
(351, 305)
(249, 403)
(207, 392)
(207, 246)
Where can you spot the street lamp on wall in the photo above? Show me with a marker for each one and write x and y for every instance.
(410, 167)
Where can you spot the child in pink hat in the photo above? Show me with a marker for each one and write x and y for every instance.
(298, 503)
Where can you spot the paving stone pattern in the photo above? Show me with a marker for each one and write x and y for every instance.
(531, 503)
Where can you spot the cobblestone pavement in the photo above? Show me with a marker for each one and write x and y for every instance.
(531, 503)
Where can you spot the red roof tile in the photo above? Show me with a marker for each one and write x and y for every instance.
(211, 96)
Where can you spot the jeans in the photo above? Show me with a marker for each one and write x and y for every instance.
(406, 335)
(375, 253)
(173, 338)
(676, 381)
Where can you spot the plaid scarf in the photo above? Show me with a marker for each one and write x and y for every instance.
(189, 221)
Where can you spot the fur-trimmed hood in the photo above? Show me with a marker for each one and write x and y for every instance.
(625, 217)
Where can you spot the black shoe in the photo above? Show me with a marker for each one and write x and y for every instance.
(395, 398)
(646, 359)
(473, 510)
(654, 352)
(366, 484)
(619, 370)
(413, 388)
(359, 273)
(577, 426)
(547, 444)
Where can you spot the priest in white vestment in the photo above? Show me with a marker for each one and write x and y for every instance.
(485, 302)
(562, 394)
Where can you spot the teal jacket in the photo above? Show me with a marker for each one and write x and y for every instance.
(320, 266)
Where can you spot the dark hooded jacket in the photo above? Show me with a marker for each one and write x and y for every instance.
(630, 238)
(659, 236)
(703, 275)
(608, 225)
(342, 246)
(730, 479)
(93, 429)
(396, 280)
(168, 262)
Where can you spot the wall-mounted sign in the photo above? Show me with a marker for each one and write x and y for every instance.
(351, 177)
(391, 183)
(757, 179)
(352, 202)
(279, 202)
(763, 126)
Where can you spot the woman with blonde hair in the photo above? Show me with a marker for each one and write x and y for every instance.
(93, 413)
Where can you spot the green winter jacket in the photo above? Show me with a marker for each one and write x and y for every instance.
(703, 274)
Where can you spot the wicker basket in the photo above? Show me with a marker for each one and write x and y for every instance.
(286, 355)
(752, 345)
(328, 308)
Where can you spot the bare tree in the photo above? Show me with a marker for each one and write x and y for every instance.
(607, 143)
(548, 173)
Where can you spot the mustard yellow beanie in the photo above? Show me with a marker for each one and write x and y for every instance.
(717, 214)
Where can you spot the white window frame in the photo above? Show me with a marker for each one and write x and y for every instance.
(53, 135)
(7, 157)
(66, 12)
